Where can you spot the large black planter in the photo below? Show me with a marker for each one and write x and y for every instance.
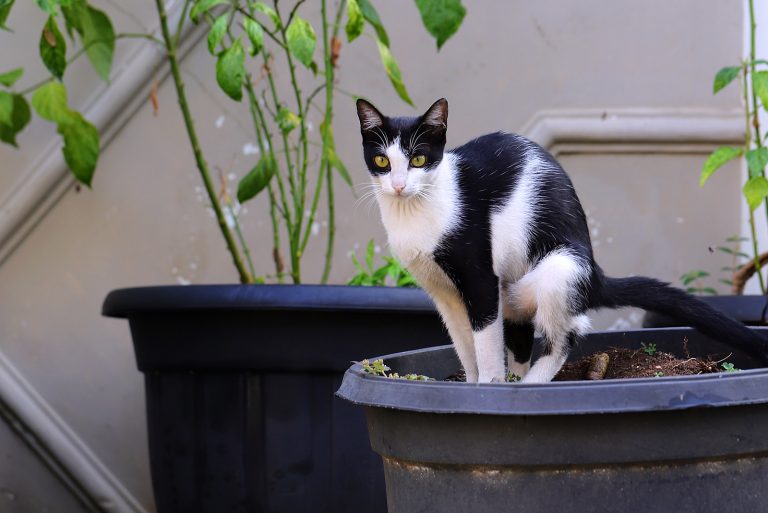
(677, 444)
(239, 391)
(752, 310)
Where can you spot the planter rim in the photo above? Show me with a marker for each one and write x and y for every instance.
(128, 302)
(557, 398)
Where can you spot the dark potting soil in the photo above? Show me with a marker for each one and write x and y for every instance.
(619, 363)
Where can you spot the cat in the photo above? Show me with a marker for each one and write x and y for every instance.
(494, 232)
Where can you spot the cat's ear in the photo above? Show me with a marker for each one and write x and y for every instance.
(437, 115)
(370, 117)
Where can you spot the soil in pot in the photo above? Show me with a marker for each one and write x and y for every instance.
(622, 363)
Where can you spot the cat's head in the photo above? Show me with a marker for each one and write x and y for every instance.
(402, 153)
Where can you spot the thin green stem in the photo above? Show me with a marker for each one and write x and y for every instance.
(303, 138)
(180, 24)
(240, 237)
(758, 269)
(202, 165)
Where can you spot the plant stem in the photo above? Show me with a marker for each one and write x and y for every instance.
(329, 87)
(180, 25)
(301, 177)
(747, 145)
(202, 166)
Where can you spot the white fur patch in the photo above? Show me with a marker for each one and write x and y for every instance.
(489, 348)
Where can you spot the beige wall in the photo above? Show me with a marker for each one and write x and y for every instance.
(145, 221)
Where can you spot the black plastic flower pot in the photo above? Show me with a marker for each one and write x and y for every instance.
(752, 310)
(682, 444)
(240, 385)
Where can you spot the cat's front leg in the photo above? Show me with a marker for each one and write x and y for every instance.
(484, 309)
(454, 315)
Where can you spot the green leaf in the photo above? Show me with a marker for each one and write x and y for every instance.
(724, 77)
(757, 160)
(355, 20)
(10, 77)
(217, 32)
(6, 108)
(718, 157)
(372, 17)
(301, 40)
(257, 179)
(50, 102)
(725, 249)
(19, 118)
(760, 84)
(725, 282)
(49, 6)
(393, 71)
(441, 18)
(99, 39)
(369, 252)
(202, 7)
(53, 49)
(81, 147)
(5, 10)
(287, 120)
(255, 35)
(74, 14)
(265, 9)
(709, 290)
(755, 190)
(230, 70)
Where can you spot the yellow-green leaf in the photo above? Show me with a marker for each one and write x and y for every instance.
(756, 161)
(760, 83)
(5, 10)
(20, 116)
(301, 40)
(6, 108)
(53, 48)
(265, 9)
(372, 17)
(81, 147)
(50, 102)
(10, 77)
(755, 191)
(718, 157)
(202, 7)
(724, 77)
(257, 179)
(393, 71)
(217, 32)
(355, 20)
(230, 70)
(99, 39)
(287, 120)
(255, 35)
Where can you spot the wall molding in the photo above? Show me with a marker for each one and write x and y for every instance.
(658, 131)
(37, 423)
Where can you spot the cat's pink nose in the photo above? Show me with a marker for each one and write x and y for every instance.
(398, 189)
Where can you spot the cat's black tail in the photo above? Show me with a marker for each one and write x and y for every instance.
(657, 296)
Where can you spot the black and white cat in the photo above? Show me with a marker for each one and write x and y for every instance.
(494, 232)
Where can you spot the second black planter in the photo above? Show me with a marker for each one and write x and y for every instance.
(683, 444)
(239, 390)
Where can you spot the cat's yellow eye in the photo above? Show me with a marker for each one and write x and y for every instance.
(381, 161)
(418, 160)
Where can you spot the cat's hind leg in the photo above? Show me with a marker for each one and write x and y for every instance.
(551, 291)
(518, 337)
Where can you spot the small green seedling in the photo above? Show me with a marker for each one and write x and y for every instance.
(729, 367)
(378, 368)
(392, 272)
(512, 378)
(658, 374)
(649, 349)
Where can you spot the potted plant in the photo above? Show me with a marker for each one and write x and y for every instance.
(691, 443)
(240, 378)
(751, 309)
